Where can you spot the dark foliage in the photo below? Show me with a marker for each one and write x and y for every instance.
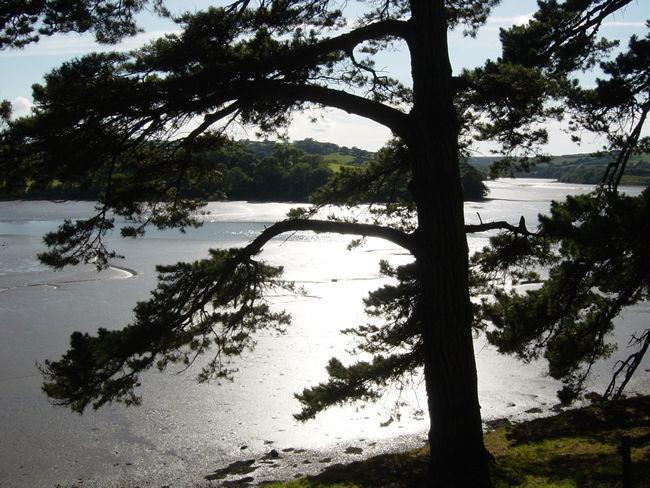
(595, 248)
(211, 306)
(23, 21)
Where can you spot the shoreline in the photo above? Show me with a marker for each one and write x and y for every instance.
(282, 464)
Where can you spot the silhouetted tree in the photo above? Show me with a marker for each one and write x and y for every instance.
(596, 247)
(258, 62)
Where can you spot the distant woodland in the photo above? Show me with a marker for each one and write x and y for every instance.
(290, 172)
(267, 171)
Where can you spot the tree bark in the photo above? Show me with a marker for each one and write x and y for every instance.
(458, 456)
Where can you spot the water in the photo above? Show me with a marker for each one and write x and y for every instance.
(184, 431)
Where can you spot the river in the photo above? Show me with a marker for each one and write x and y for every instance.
(184, 431)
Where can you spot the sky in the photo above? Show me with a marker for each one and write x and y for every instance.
(22, 68)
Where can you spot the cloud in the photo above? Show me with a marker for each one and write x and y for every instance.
(324, 125)
(512, 20)
(524, 19)
(341, 128)
(75, 44)
(621, 23)
(21, 107)
(495, 22)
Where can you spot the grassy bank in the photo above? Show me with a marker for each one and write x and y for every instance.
(575, 448)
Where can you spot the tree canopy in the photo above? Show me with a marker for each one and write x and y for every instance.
(119, 121)
(24, 21)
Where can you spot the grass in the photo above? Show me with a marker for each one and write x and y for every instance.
(338, 158)
(575, 448)
(336, 167)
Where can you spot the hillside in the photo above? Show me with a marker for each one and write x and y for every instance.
(580, 168)
(328, 152)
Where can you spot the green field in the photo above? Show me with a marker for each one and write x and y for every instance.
(338, 158)
(336, 167)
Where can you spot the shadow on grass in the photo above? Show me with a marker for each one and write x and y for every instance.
(593, 470)
(387, 471)
(601, 422)
(578, 448)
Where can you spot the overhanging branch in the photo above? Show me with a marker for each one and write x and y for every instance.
(210, 119)
(395, 236)
(292, 225)
(247, 93)
(346, 42)
(392, 118)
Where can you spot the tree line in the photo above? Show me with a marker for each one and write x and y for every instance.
(261, 171)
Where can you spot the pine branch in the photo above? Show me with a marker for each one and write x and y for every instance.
(248, 93)
(345, 42)
(291, 225)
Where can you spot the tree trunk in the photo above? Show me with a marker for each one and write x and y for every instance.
(458, 456)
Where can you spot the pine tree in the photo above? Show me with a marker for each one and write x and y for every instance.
(113, 121)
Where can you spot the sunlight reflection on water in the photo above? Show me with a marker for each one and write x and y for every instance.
(184, 430)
